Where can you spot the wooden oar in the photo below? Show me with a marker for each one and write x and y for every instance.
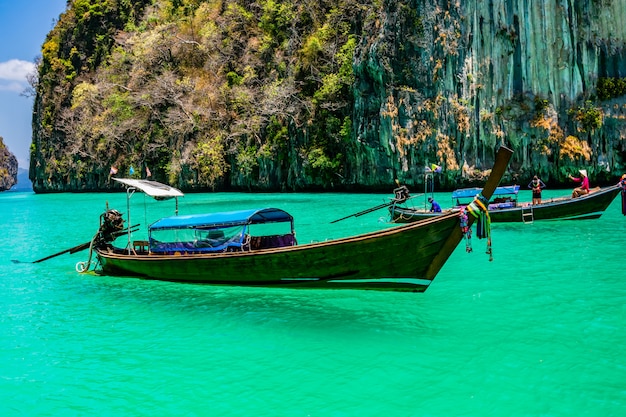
(401, 195)
(360, 213)
(76, 248)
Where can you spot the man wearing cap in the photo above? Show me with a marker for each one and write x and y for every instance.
(584, 184)
(434, 206)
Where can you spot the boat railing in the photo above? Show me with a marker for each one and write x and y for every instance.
(198, 246)
(504, 197)
(244, 243)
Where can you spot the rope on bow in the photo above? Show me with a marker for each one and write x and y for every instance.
(478, 209)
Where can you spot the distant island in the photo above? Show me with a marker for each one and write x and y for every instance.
(8, 167)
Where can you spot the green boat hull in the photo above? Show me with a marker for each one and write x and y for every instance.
(404, 258)
(590, 206)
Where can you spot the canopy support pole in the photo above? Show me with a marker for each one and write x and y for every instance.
(429, 188)
(129, 193)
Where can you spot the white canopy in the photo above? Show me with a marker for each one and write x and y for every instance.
(154, 189)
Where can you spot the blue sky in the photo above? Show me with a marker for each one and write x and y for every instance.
(23, 29)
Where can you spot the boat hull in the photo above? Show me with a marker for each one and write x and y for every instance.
(404, 258)
(590, 206)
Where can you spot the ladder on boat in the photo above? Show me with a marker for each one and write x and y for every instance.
(528, 216)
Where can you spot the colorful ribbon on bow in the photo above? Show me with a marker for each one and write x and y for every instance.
(478, 209)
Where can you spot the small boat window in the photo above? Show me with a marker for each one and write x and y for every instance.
(196, 239)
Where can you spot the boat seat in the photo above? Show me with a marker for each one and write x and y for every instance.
(140, 245)
(272, 241)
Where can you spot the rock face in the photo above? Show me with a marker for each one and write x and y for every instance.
(427, 82)
(480, 73)
(8, 168)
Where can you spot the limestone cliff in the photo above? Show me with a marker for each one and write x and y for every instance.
(279, 95)
(8, 168)
(450, 81)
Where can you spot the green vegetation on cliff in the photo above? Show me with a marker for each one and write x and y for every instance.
(346, 94)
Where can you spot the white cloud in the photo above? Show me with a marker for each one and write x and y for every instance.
(16, 70)
(13, 75)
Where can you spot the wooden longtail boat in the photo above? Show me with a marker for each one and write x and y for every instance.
(402, 258)
(506, 208)
(402, 213)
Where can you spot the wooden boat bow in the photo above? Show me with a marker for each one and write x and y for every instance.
(499, 168)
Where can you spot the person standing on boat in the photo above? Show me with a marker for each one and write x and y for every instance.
(584, 184)
(536, 185)
(434, 206)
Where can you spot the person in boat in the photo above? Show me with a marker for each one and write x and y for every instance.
(536, 185)
(434, 206)
(584, 184)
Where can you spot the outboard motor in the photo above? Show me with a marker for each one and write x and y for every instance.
(111, 226)
(111, 223)
(401, 194)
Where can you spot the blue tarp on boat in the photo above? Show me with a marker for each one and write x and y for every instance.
(472, 192)
(223, 219)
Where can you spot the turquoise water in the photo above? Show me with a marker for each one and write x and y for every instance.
(540, 331)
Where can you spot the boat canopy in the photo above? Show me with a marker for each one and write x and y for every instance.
(472, 192)
(223, 219)
(154, 189)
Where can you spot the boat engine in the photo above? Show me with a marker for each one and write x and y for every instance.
(111, 226)
(111, 223)
(401, 194)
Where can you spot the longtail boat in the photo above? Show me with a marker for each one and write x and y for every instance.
(504, 207)
(224, 248)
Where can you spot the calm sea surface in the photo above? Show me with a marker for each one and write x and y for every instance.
(540, 331)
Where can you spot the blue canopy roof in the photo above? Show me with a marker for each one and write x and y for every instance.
(223, 219)
(472, 192)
